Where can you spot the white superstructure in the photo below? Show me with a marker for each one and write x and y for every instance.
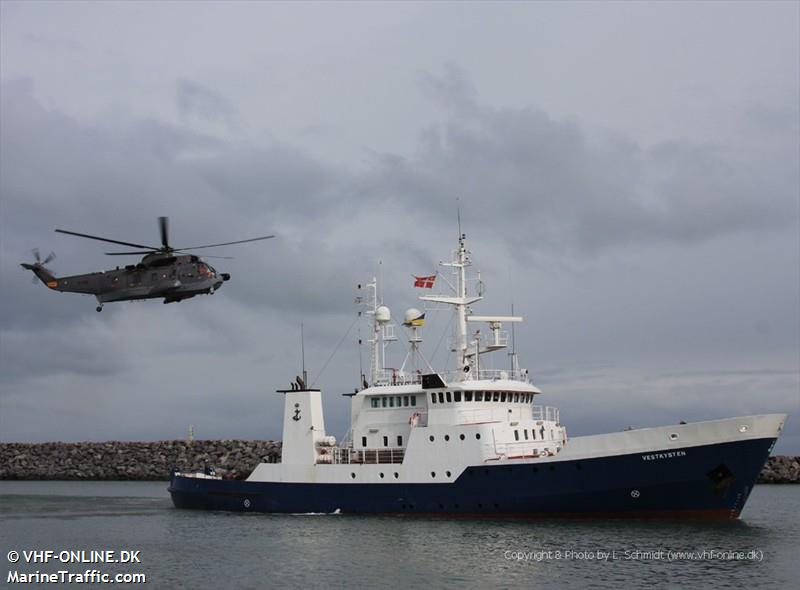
(413, 423)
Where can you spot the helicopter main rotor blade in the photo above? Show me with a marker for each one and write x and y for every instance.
(130, 253)
(72, 233)
(163, 226)
(224, 244)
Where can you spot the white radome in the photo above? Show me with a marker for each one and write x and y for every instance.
(383, 315)
(412, 314)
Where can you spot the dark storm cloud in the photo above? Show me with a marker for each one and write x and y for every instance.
(561, 186)
(82, 349)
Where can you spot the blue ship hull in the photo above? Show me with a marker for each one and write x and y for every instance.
(711, 481)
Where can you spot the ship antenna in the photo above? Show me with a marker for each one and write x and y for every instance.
(361, 376)
(303, 353)
(458, 214)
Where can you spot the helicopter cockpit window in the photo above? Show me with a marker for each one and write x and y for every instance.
(205, 270)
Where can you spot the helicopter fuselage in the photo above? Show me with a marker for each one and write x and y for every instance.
(170, 277)
(165, 272)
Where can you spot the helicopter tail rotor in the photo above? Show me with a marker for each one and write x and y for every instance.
(39, 270)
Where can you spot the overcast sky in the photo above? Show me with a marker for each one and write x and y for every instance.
(627, 175)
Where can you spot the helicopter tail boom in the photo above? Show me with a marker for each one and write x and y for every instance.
(42, 274)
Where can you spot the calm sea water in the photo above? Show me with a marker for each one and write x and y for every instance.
(188, 549)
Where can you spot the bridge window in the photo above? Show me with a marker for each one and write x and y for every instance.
(405, 400)
(441, 397)
(526, 433)
(385, 441)
(391, 402)
(516, 435)
(384, 403)
(503, 397)
(467, 396)
(533, 433)
(449, 398)
(433, 397)
(413, 400)
(399, 399)
(363, 441)
(457, 396)
(478, 396)
(496, 396)
(399, 441)
(375, 402)
(516, 398)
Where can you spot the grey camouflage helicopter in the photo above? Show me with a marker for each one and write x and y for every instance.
(171, 273)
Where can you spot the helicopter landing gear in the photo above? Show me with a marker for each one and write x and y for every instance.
(99, 308)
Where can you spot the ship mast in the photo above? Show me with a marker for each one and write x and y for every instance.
(382, 332)
(460, 263)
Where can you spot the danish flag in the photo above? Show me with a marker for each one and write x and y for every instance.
(424, 282)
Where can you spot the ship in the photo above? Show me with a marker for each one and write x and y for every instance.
(474, 441)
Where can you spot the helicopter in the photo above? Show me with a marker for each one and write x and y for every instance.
(172, 273)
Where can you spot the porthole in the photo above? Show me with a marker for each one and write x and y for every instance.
(446, 437)
(381, 474)
(430, 438)
(353, 475)
(743, 428)
(448, 474)
(433, 474)
(461, 436)
(396, 475)
(673, 436)
(478, 435)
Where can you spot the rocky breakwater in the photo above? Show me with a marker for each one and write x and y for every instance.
(133, 460)
(781, 469)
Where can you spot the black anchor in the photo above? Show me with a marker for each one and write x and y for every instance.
(296, 416)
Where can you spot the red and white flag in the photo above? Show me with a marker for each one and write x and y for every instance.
(424, 282)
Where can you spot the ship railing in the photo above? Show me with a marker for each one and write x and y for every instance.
(388, 377)
(527, 450)
(489, 375)
(548, 413)
(366, 456)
